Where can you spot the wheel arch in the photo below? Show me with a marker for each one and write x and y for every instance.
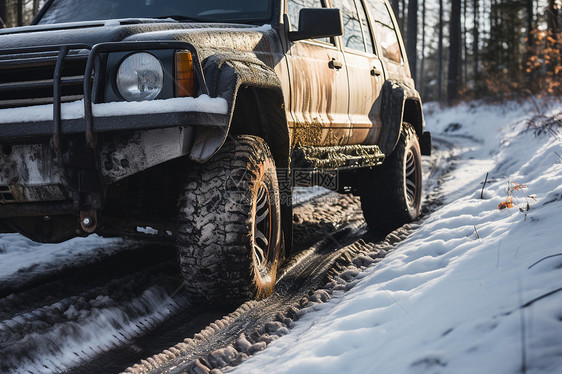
(260, 111)
(257, 107)
(243, 81)
(400, 103)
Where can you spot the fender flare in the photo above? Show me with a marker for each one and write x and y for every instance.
(225, 74)
(399, 103)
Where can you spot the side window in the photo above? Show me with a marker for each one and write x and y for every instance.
(385, 33)
(293, 9)
(352, 34)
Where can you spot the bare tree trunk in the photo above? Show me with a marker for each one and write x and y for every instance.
(35, 7)
(454, 51)
(440, 55)
(475, 40)
(553, 29)
(530, 24)
(499, 33)
(494, 35)
(498, 24)
(395, 7)
(465, 45)
(402, 15)
(20, 13)
(552, 17)
(422, 68)
(2, 14)
(412, 36)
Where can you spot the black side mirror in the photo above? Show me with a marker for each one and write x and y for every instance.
(318, 23)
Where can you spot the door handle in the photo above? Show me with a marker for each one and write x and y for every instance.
(375, 72)
(335, 64)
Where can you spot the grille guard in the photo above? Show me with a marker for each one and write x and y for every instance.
(87, 189)
(93, 65)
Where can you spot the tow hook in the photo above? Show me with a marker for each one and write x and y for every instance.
(89, 220)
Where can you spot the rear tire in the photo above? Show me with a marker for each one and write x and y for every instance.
(230, 238)
(391, 194)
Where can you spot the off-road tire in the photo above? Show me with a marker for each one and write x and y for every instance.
(391, 194)
(221, 213)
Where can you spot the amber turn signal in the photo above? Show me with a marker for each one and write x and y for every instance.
(185, 84)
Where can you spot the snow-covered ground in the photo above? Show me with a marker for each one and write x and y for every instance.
(461, 295)
(62, 331)
(22, 259)
(475, 289)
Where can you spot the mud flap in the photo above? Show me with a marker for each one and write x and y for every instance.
(287, 225)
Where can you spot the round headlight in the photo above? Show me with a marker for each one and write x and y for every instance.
(140, 77)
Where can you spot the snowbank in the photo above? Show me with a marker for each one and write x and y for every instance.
(463, 293)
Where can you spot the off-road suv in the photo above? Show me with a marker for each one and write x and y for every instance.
(193, 120)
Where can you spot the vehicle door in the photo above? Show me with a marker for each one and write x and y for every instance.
(365, 72)
(319, 87)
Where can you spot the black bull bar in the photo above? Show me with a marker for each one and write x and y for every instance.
(29, 132)
(90, 124)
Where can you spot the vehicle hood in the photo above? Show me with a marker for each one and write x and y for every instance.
(204, 36)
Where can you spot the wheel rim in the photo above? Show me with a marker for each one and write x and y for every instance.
(262, 228)
(411, 173)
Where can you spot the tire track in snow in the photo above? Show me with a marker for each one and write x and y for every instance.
(143, 320)
(310, 278)
(182, 325)
(93, 309)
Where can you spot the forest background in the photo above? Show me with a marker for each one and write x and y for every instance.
(458, 49)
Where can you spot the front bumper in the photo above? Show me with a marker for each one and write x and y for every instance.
(31, 173)
(37, 122)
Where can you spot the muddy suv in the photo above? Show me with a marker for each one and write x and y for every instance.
(193, 121)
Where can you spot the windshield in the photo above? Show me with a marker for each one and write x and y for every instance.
(244, 11)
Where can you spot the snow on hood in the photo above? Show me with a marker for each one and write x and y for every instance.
(125, 21)
(94, 32)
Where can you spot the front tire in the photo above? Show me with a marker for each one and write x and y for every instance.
(391, 194)
(230, 237)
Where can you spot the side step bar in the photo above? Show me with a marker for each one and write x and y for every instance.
(337, 157)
